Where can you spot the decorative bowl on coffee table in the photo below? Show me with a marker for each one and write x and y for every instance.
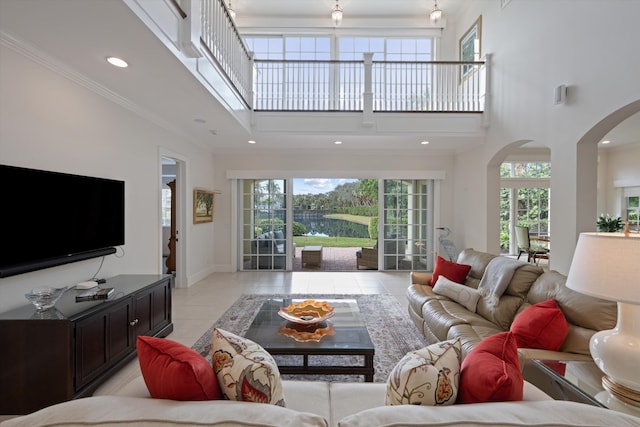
(307, 312)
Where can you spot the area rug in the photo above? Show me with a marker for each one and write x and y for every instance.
(391, 330)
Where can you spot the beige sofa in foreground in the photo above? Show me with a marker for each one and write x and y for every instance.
(312, 403)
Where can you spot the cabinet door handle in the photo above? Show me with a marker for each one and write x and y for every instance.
(134, 322)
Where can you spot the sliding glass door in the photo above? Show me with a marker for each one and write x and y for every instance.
(264, 241)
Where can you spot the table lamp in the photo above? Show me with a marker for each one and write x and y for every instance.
(607, 265)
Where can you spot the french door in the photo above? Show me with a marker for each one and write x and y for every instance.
(265, 234)
(407, 224)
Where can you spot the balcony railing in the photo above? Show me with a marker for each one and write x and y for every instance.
(344, 85)
(224, 44)
(308, 85)
(429, 86)
(365, 85)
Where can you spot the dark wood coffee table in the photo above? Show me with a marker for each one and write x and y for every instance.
(345, 334)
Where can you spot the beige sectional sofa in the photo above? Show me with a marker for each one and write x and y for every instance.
(441, 318)
(310, 403)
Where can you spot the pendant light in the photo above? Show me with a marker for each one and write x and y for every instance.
(336, 14)
(436, 13)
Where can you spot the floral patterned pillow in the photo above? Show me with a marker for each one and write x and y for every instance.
(429, 376)
(245, 371)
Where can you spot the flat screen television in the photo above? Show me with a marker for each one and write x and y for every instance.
(52, 218)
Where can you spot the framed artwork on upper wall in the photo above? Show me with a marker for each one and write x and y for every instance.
(202, 206)
(470, 47)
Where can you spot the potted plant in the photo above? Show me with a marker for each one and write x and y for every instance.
(609, 224)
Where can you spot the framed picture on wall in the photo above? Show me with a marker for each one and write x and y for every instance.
(202, 206)
(470, 46)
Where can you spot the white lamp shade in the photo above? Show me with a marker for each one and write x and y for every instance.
(607, 265)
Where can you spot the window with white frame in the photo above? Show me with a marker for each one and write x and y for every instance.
(352, 48)
(271, 47)
(524, 200)
(290, 47)
(409, 49)
(401, 78)
(632, 211)
(296, 85)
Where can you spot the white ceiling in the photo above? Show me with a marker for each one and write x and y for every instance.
(74, 37)
(351, 8)
(627, 132)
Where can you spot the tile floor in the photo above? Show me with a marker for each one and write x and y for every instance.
(196, 308)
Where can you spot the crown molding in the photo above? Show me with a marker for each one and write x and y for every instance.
(31, 52)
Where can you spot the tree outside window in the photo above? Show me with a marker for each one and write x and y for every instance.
(524, 200)
(633, 212)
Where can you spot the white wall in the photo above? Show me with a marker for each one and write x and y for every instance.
(49, 122)
(535, 50)
(617, 169)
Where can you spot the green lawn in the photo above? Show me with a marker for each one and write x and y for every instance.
(334, 242)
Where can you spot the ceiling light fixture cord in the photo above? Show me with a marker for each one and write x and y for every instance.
(336, 14)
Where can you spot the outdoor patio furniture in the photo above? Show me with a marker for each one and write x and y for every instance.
(367, 257)
(312, 255)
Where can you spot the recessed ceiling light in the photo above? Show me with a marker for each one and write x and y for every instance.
(251, 141)
(606, 142)
(117, 62)
(424, 142)
(338, 142)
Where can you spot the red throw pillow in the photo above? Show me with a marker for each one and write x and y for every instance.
(174, 371)
(491, 371)
(451, 270)
(542, 325)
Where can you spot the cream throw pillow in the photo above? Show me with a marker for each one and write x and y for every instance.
(245, 370)
(461, 294)
(429, 376)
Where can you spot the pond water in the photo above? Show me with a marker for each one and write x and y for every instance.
(317, 225)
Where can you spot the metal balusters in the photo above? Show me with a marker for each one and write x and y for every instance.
(396, 86)
(225, 44)
(339, 85)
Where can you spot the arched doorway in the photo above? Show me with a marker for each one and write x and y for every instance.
(587, 166)
(579, 184)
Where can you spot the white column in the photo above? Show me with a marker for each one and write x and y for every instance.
(367, 96)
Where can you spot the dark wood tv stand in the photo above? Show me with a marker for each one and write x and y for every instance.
(68, 351)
